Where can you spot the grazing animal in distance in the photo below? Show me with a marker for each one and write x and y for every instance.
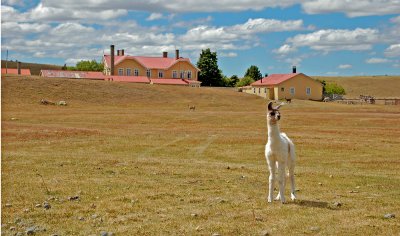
(288, 100)
(192, 107)
(280, 154)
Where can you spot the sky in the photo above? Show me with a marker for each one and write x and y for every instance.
(319, 37)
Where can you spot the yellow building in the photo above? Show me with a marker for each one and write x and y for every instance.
(286, 86)
(158, 70)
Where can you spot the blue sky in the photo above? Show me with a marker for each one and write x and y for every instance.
(320, 37)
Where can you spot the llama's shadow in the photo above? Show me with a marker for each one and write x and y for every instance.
(314, 204)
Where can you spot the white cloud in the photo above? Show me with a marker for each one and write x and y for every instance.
(228, 54)
(285, 49)
(376, 60)
(395, 20)
(14, 28)
(154, 16)
(262, 25)
(173, 5)
(13, 2)
(393, 51)
(345, 66)
(336, 39)
(353, 8)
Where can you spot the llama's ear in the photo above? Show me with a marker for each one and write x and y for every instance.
(270, 108)
(279, 106)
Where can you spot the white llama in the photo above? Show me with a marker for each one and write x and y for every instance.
(280, 153)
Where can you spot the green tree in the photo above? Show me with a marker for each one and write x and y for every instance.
(245, 81)
(89, 66)
(334, 88)
(253, 72)
(210, 74)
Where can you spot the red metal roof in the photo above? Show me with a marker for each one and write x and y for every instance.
(72, 74)
(134, 79)
(169, 81)
(274, 79)
(148, 62)
(15, 71)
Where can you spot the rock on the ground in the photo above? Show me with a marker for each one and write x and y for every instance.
(30, 230)
(389, 216)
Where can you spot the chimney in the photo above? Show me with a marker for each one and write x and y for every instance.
(122, 52)
(294, 69)
(118, 52)
(176, 54)
(112, 59)
(19, 67)
(165, 54)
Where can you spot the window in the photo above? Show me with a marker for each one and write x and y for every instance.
(189, 74)
(120, 71)
(259, 90)
(182, 74)
(136, 72)
(282, 89)
(265, 90)
(174, 74)
(254, 90)
(148, 73)
(308, 91)
(292, 90)
(128, 71)
(160, 74)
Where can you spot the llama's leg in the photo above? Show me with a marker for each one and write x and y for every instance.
(271, 166)
(282, 182)
(291, 165)
(292, 185)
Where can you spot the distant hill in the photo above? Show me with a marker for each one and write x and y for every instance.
(378, 86)
(34, 67)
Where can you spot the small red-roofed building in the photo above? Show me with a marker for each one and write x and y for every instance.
(286, 86)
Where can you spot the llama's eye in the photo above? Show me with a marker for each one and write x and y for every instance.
(272, 113)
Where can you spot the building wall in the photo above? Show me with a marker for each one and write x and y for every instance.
(183, 66)
(132, 65)
(300, 83)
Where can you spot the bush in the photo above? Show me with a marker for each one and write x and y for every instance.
(334, 88)
(245, 81)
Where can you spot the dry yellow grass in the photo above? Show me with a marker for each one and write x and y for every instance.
(377, 86)
(143, 164)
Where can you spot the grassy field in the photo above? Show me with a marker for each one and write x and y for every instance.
(133, 160)
(376, 86)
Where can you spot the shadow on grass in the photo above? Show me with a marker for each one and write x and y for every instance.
(314, 204)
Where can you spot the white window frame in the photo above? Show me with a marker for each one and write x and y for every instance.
(189, 74)
(308, 91)
(148, 73)
(121, 71)
(292, 90)
(128, 71)
(182, 74)
(160, 74)
(136, 72)
(174, 74)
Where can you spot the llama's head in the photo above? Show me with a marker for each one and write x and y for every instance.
(273, 114)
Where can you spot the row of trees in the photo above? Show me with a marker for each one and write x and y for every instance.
(211, 75)
(92, 65)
